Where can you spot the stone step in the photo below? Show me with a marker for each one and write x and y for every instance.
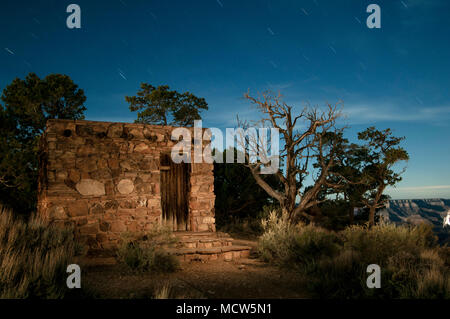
(187, 234)
(194, 246)
(226, 253)
(213, 250)
(202, 239)
(204, 243)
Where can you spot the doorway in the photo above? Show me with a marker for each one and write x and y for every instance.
(174, 193)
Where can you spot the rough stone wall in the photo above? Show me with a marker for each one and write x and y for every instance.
(104, 179)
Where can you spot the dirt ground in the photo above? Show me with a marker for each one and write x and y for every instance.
(243, 278)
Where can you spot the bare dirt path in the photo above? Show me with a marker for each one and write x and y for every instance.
(244, 278)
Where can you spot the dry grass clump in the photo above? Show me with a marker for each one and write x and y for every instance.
(33, 258)
(163, 292)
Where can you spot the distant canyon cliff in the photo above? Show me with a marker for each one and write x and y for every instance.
(415, 211)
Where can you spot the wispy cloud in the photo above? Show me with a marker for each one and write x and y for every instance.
(369, 113)
(430, 191)
(421, 188)
(228, 118)
(279, 86)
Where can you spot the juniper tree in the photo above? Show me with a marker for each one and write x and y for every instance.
(162, 106)
(27, 105)
(379, 172)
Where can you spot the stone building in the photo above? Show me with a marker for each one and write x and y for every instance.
(109, 178)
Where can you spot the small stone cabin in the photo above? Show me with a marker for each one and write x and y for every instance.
(108, 178)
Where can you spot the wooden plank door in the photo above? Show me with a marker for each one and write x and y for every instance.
(174, 193)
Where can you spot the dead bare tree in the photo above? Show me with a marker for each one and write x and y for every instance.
(311, 141)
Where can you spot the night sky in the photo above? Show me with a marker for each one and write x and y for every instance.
(311, 51)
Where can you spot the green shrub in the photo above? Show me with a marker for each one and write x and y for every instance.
(382, 241)
(412, 265)
(311, 243)
(249, 226)
(341, 276)
(146, 251)
(33, 258)
(275, 244)
(433, 284)
(286, 244)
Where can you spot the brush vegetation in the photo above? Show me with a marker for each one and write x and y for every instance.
(33, 258)
(146, 251)
(335, 263)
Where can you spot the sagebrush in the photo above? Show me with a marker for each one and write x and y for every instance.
(145, 252)
(335, 263)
